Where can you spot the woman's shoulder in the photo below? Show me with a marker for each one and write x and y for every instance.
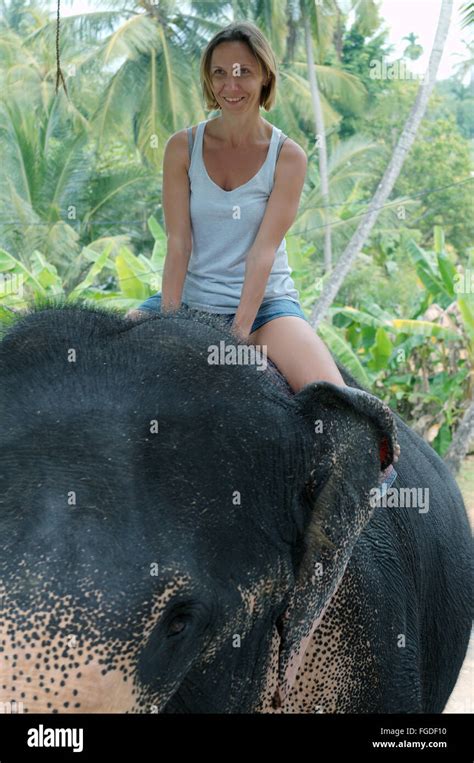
(290, 151)
(289, 147)
(181, 136)
(179, 143)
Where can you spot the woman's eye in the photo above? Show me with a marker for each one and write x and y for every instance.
(221, 71)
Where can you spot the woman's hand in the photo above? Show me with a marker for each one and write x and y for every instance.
(240, 332)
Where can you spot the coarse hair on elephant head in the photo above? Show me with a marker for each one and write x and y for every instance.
(180, 525)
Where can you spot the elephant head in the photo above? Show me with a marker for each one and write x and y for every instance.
(172, 530)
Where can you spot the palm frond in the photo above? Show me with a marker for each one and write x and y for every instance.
(467, 11)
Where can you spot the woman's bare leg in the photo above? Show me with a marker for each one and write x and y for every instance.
(301, 356)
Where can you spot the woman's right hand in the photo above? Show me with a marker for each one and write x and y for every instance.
(135, 315)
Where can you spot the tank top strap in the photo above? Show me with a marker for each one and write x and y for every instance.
(269, 167)
(273, 144)
(281, 140)
(190, 142)
(195, 146)
(273, 149)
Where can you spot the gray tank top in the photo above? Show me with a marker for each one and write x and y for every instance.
(224, 226)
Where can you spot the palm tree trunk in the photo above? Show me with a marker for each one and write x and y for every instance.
(461, 441)
(321, 135)
(338, 33)
(391, 173)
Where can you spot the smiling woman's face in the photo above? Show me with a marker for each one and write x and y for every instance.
(235, 76)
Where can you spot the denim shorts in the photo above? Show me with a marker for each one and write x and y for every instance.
(268, 310)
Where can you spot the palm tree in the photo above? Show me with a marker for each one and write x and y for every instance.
(392, 172)
(52, 194)
(466, 66)
(154, 90)
(349, 172)
(319, 23)
(322, 26)
(413, 50)
(461, 441)
(147, 58)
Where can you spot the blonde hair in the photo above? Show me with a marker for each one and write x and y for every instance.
(242, 31)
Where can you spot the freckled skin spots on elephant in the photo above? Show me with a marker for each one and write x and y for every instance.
(238, 595)
(55, 685)
(254, 597)
(70, 672)
(325, 681)
(270, 685)
(328, 679)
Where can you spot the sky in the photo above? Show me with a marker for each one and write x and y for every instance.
(421, 18)
(401, 16)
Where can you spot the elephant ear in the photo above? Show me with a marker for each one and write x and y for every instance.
(353, 435)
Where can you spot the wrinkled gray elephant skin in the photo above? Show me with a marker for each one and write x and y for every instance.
(183, 536)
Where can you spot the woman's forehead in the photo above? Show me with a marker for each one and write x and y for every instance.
(243, 55)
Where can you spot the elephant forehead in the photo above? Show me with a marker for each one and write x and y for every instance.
(114, 517)
(80, 431)
(69, 468)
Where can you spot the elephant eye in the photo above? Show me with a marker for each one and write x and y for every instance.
(177, 625)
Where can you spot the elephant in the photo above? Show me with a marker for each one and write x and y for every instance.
(187, 536)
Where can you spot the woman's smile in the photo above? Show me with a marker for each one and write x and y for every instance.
(234, 99)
